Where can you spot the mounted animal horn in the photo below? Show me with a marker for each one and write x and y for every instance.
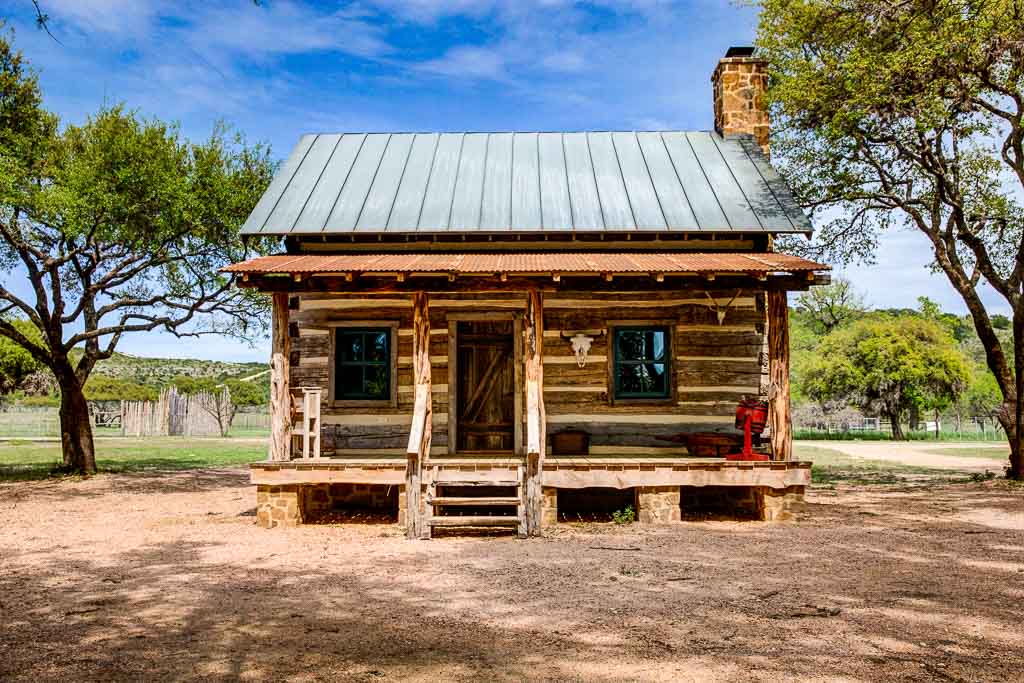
(721, 311)
(580, 346)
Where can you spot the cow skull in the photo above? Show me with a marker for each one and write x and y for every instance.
(580, 347)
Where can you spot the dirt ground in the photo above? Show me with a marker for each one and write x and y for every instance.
(166, 577)
(922, 453)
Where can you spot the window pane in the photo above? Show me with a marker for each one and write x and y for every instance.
(656, 345)
(350, 346)
(376, 382)
(362, 364)
(641, 368)
(377, 346)
(643, 378)
(630, 345)
(641, 344)
(350, 380)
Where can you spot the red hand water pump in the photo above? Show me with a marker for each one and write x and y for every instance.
(751, 417)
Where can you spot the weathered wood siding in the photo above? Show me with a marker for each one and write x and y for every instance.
(714, 365)
(367, 431)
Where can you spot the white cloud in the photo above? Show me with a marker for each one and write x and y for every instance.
(112, 17)
(282, 28)
(467, 62)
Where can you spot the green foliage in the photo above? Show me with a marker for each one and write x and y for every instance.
(832, 305)
(910, 114)
(890, 366)
(121, 226)
(243, 393)
(627, 515)
(16, 363)
(103, 388)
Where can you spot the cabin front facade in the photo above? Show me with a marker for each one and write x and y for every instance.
(488, 329)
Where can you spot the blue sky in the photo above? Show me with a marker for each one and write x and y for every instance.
(283, 68)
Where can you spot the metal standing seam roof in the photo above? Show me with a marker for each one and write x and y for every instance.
(559, 262)
(525, 182)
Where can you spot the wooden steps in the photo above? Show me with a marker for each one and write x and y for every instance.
(474, 521)
(473, 502)
(468, 498)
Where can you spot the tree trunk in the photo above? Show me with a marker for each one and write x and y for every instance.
(895, 427)
(1016, 437)
(75, 428)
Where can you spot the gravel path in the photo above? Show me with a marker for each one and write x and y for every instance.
(917, 453)
(166, 577)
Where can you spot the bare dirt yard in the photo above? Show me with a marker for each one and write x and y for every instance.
(164, 576)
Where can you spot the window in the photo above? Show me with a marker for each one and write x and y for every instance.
(362, 364)
(642, 362)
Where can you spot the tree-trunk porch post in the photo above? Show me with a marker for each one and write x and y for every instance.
(533, 357)
(280, 388)
(780, 419)
(420, 432)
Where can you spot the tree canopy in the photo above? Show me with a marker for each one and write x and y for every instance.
(16, 363)
(909, 114)
(889, 366)
(119, 225)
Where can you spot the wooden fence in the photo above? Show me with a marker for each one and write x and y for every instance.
(174, 414)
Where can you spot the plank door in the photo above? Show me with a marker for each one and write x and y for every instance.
(485, 372)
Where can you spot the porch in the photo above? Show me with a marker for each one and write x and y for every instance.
(481, 363)
(766, 490)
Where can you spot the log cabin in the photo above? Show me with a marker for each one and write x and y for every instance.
(505, 329)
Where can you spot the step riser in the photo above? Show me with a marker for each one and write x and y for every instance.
(469, 502)
(473, 521)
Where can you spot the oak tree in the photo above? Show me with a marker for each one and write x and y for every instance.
(113, 227)
(889, 366)
(910, 114)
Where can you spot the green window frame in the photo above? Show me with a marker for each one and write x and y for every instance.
(362, 363)
(642, 362)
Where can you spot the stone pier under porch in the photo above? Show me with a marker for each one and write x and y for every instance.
(289, 493)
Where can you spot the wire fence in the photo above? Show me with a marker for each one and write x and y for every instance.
(32, 422)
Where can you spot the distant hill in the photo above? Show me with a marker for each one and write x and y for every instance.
(124, 376)
(160, 371)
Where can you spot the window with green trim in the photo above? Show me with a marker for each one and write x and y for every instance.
(362, 370)
(642, 362)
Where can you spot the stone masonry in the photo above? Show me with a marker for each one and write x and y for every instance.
(777, 505)
(549, 506)
(657, 504)
(739, 91)
(278, 506)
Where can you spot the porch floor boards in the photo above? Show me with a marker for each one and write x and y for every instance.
(560, 472)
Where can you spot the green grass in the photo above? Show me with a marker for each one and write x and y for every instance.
(27, 460)
(831, 467)
(866, 435)
(987, 452)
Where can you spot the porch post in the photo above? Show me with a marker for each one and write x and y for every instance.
(779, 418)
(280, 389)
(419, 433)
(536, 429)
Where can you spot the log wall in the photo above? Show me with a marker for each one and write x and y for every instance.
(715, 364)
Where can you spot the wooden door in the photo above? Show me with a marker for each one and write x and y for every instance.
(485, 371)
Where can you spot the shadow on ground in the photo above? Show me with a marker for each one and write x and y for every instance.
(898, 585)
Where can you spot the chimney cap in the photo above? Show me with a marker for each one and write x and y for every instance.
(741, 51)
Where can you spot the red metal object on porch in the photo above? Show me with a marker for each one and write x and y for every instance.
(751, 417)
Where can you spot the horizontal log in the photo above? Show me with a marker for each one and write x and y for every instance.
(472, 521)
(367, 418)
(354, 437)
(670, 475)
(471, 502)
(610, 418)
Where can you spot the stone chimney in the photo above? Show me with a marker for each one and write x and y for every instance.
(739, 84)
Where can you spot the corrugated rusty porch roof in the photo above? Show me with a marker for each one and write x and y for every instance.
(559, 262)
